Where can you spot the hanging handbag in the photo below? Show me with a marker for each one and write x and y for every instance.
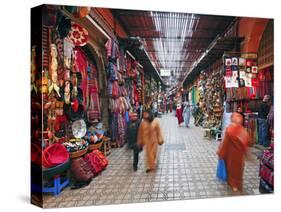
(115, 89)
(221, 170)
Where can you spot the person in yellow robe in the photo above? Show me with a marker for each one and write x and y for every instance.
(150, 136)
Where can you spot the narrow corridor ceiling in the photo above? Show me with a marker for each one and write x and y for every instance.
(173, 41)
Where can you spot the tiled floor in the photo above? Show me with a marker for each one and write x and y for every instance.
(186, 170)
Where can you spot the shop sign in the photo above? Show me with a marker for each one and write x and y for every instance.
(165, 72)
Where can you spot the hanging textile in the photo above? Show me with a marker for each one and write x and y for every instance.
(121, 129)
(114, 126)
(112, 50)
(81, 65)
(136, 94)
(251, 124)
(94, 111)
(112, 71)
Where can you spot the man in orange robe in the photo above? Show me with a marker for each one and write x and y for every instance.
(233, 150)
(150, 136)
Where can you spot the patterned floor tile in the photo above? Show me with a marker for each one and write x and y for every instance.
(186, 170)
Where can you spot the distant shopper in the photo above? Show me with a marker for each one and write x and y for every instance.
(179, 114)
(226, 117)
(139, 109)
(154, 109)
(150, 136)
(182, 107)
(262, 121)
(195, 113)
(186, 114)
(171, 106)
(233, 150)
(131, 137)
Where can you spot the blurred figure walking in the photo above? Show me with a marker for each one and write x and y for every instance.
(139, 109)
(233, 150)
(131, 137)
(179, 114)
(150, 136)
(186, 114)
(171, 106)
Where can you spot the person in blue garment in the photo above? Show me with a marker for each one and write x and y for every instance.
(262, 121)
(186, 114)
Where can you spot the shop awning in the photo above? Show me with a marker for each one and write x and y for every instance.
(213, 53)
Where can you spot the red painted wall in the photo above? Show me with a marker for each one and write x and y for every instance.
(252, 29)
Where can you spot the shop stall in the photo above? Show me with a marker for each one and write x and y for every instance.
(65, 89)
(246, 86)
(211, 96)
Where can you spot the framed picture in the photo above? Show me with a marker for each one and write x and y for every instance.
(254, 69)
(242, 61)
(227, 61)
(234, 61)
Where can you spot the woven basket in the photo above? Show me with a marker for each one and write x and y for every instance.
(95, 146)
(78, 153)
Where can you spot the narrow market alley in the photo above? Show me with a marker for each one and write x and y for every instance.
(186, 170)
(100, 76)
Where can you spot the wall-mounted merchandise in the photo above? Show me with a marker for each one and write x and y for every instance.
(211, 96)
(245, 84)
(66, 114)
